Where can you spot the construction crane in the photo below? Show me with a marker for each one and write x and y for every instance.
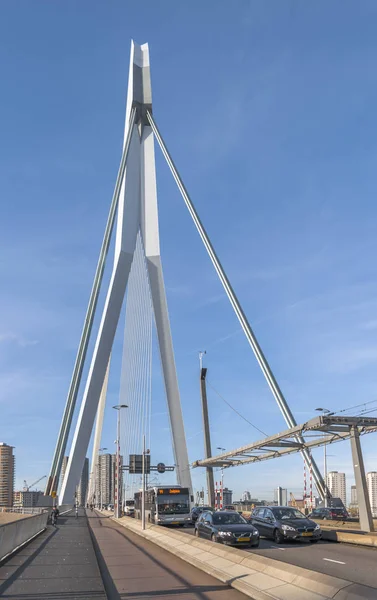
(27, 487)
(293, 500)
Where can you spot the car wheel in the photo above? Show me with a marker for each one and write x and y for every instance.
(313, 541)
(213, 538)
(197, 532)
(278, 538)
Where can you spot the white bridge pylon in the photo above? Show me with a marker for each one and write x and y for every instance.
(137, 211)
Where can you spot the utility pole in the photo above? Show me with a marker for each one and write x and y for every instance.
(206, 430)
(325, 411)
(222, 481)
(117, 491)
(143, 488)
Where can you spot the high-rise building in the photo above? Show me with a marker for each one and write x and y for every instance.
(372, 491)
(353, 495)
(7, 474)
(105, 478)
(336, 483)
(82, 488)
(246, 497)
(281, 496)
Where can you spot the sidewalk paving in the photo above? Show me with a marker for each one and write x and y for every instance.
(136, 569)
(60, 564)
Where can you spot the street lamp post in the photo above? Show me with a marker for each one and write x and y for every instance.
(325, 411)
(117, 491)
(222, 479)
(100, 482)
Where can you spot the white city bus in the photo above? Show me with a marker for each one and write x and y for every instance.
(165, 505)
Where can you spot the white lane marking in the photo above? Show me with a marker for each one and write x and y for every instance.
(335, 561)
(277, 547)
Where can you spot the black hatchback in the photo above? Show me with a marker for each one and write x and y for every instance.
(226, 527)
(283, 523)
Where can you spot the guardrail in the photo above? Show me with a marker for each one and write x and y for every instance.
(16, 533)
(31, 510)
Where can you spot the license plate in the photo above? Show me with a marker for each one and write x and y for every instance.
(307, 534)
(174, 522)
(243, 539)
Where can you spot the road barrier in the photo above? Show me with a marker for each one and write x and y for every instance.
(254, 575)
(16, 533)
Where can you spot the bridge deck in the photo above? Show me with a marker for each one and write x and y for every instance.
(103, 562)
(60, 563)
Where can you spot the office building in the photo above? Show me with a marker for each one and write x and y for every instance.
(105, 478)
(281, 496)
(82, 488)
(353, 495)
(372, 491)
(227, 497)
(336, 482)
(246, 497)
(7, 474)
(26, 499)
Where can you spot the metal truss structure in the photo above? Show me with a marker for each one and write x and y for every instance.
(326, 429)
(330, 429)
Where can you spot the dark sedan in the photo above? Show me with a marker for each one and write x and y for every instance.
(227, 528)
(337, 514)
(197, 511)
(283, 523)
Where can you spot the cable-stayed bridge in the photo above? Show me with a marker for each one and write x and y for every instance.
(137, 283)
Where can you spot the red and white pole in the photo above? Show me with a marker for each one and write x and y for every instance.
(311, 484)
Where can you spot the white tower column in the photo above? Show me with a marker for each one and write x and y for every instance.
(137, 210)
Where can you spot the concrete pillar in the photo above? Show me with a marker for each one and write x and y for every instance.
(366, 520)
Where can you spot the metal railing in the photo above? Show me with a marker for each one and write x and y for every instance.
(31, 510)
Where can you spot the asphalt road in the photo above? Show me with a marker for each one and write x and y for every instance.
(353, 563)
(134, 568)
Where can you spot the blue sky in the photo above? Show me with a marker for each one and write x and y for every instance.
(268, 108)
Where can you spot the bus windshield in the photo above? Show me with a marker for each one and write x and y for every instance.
(173, 505)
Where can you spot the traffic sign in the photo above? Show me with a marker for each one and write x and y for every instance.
(161, 468)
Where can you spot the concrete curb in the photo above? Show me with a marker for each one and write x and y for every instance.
(254, 575)
(360, 539)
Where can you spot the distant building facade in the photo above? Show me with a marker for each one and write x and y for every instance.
(7, 474)
(246, 497)
(336, 483)
(26, 499)
(105, 478)
(353, 495)
(372, 491)
(281, 496)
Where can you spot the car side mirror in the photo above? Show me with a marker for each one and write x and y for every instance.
(207, 522)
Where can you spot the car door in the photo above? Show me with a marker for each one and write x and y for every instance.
(207, 525)
(199, 525)
(268, 523)
(258, 520)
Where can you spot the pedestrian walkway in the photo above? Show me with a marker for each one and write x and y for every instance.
(60, 564)
(135, 569)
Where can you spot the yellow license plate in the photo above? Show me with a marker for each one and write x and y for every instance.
(175, 522)
(307, 534)
(243, 539)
